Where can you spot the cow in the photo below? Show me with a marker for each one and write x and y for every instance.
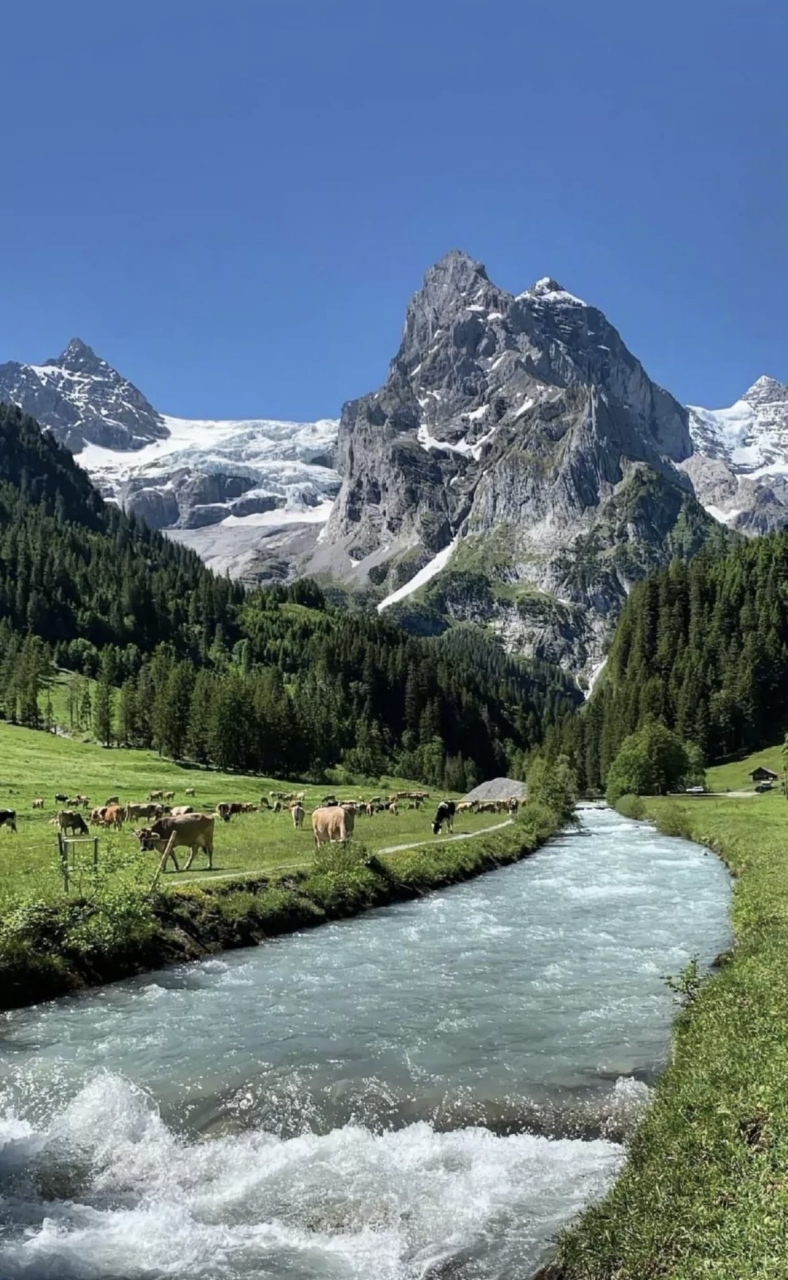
(8, 819)
(136, 811)
(226, 811)
(84, 801)
(70, 820)
(168, 795)
(111, 800)
(155, 795)
(445, 814)
(298, 813)
(328, 801)
(278, 807)
(190, 831)
(61, 797)
(189, 791)
(112, 816)
(393, 807)
(466, 806)
(96, 816)
(179, 810)
(38, 803)
(332, 823)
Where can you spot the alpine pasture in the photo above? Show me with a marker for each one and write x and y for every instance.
(35, 764)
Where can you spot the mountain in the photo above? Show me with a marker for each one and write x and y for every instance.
(248, 496)
(517, 469)
(739, 466)
(81, 399)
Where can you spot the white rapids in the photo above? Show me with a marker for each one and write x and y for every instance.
(429, 1091)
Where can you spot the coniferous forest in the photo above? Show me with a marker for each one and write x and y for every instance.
(195, 666)
(701, 647)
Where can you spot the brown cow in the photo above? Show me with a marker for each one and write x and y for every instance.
(226, 811)
(112, 816)
(38, 803)
(179, 810)
(190, 831)
(332, 823)
(155, 795)
(298, 813)
(189, 791)
(136, 811)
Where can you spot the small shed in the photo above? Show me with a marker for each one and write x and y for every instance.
(763, 775)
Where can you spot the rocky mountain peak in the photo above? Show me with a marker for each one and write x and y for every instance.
(766, 390)
(78, 357)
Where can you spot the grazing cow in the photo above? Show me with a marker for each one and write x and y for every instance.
(445, 814)
(111, 800)
(332, 823)
(38, 803)
(155, 795)
(278, 806)
(265, 803)
(393, 807)
(82, 800)
(190, 831)
(8, 819)
(61, 797)
(179, 810)
(513, 805)
(189, 791)
(96, 816)
(223, 811)
(465, 806)
(328, 800)
(136, 811)
(168, 795)
(112, 816)
(298, 813)
(226, 811)
(70, 820)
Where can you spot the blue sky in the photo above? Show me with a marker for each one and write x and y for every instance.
(232, 202)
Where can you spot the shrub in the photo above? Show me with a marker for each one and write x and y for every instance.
(671, 820)
(631, 807)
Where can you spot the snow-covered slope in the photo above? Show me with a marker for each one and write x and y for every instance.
(739, 467)
(206, 472)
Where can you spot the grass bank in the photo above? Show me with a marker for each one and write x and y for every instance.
(705, 1189)
(50, 948)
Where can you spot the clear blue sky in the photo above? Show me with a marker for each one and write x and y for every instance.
(232, 202)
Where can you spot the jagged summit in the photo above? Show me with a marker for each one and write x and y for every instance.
(82, 400)
(506, 435)
(766, 390)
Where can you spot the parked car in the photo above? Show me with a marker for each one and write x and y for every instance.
(696, 791)
(764, 786)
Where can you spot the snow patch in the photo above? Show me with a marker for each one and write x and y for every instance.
(280, 516)
(424, 575)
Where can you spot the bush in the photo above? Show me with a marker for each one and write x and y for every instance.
(671, 820)
(537, 819)
(342, 857)
(631, 807)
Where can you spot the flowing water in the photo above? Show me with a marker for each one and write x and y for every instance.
(428, 1091)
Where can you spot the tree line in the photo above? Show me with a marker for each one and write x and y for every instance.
(702, 648)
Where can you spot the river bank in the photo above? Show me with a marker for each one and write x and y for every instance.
(51, 949)
(704, 1191)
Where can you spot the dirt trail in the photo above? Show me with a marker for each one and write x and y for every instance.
(265, 873)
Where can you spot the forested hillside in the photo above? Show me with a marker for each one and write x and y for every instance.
(192, 665)
(701, 646)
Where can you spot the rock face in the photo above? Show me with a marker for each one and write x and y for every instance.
(518, 468)
(740, 465)
(82, 400)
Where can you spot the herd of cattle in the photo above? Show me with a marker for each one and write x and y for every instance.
(171, 827)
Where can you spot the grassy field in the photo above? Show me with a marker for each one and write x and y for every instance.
(705, 1190)
(736, 776)
(36, 764)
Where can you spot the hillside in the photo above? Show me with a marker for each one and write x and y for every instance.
(704, 648)
(192, 665)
